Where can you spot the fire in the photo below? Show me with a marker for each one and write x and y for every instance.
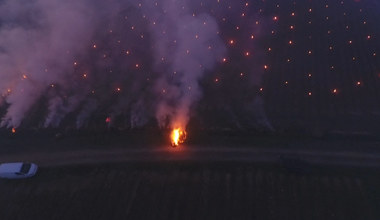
(177, 136)
(13, 130)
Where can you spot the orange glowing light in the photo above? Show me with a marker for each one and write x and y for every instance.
(178, 136)
(108, 120)
(13, 130)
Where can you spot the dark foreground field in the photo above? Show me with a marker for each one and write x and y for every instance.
(189, 190)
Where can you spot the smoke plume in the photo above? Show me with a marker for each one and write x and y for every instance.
(139, 60)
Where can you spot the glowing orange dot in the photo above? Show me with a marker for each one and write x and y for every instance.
(261, 89)
(224, 60)
(94, 46)
(137, 65)
(358, 83)
(309, 93)
(252, 37)
(232, 41)
(216, 80)
(247, 53)
(13, 130)
(335, 91)
(275, 18)
(293, 14)
(290, 42)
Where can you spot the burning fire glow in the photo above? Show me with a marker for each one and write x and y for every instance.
(178, 136)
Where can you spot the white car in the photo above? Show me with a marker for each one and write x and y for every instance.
(17, 170)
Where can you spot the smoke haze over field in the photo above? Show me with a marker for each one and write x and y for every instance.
(140, 60)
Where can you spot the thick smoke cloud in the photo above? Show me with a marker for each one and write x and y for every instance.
(140, 60)
(186, 45)
(38, 40)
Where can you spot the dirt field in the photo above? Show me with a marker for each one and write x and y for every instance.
(186, 190)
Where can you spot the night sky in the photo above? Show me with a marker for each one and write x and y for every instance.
(269, 65)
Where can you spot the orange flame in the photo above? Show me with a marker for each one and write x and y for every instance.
(13, 130)
(178, 136)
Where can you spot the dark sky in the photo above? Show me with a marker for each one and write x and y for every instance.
(241, 64)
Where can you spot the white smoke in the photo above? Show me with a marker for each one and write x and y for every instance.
(47, 45)
(189, 44)
(37, 43)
